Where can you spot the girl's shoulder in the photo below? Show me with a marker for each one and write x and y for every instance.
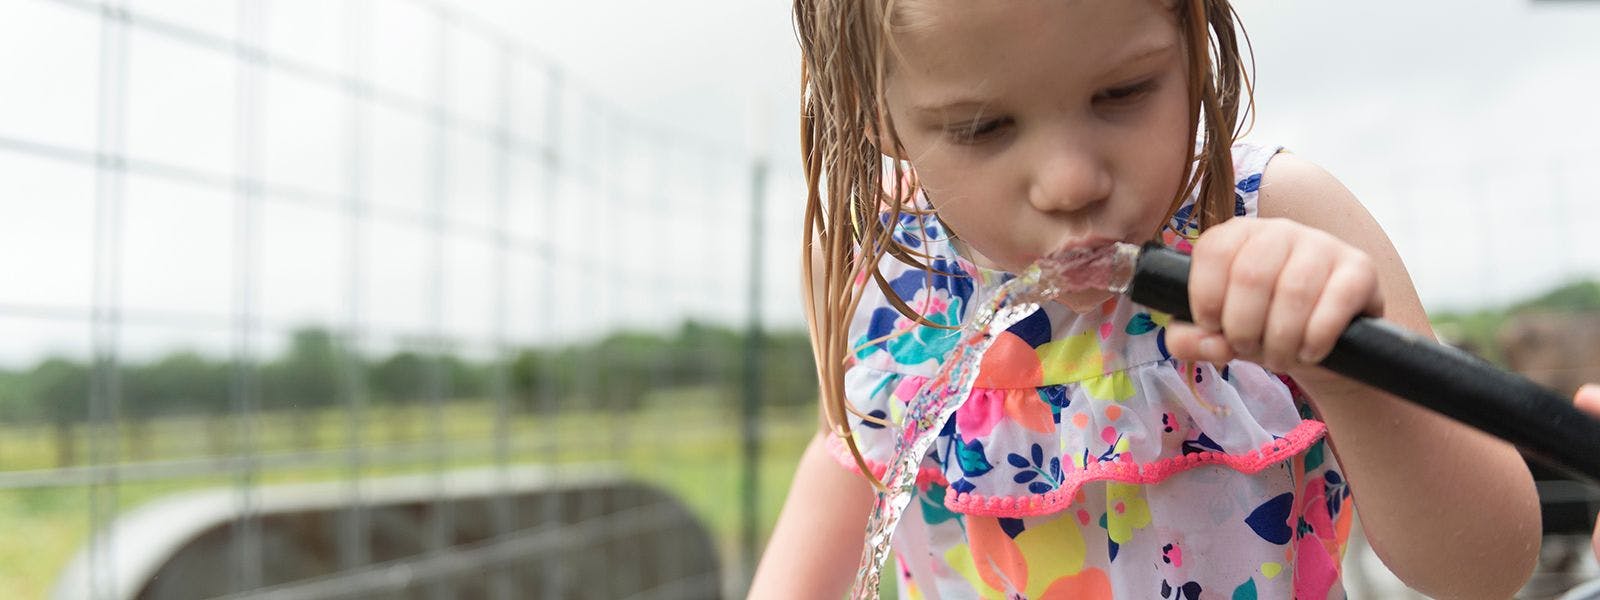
(1250, 160)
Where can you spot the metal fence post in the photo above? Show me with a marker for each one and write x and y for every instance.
(749, 522)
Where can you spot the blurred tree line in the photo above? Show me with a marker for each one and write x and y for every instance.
(314, 372)
(614, 373)
(1478, 331)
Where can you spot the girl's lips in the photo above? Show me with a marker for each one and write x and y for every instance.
(1079, 244)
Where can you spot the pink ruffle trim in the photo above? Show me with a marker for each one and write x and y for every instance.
(1296, 441)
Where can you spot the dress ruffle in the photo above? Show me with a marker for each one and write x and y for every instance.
(1021, 452)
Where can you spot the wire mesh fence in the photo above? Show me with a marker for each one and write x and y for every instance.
(271, 243)
(373, 245)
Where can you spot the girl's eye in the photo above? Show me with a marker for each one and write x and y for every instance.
(979, 131)
(1127, 94)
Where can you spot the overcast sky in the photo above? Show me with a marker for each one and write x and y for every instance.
(1428, 109)
(1468, 127)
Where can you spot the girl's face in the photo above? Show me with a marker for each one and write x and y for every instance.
(1037, 124)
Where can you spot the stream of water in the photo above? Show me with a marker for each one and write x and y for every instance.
(1002, 306)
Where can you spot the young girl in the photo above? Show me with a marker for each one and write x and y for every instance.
(1106, 450)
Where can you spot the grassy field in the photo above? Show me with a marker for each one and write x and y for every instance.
(679, 441)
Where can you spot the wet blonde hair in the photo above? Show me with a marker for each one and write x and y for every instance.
(850, 211)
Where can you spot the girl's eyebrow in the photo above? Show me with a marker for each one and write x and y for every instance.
(939, 107)
(961, 104)
(1145, 52)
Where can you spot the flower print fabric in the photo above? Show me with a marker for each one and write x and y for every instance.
(1087, 462)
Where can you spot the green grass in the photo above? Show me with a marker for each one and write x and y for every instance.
(681, 441)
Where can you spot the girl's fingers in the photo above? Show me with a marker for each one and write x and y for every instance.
(1256, 269)
(1272, 292)
(1298, 290)
(1183, 341)
(1208, 272)
(1352, 289)
(1187, 342)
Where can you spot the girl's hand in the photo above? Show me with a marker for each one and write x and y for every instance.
(1274, 292)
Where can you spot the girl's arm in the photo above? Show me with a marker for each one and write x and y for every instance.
(819, 536)
(823, 526)
(1452, 511)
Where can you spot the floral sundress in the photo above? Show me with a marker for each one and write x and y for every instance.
(1087, 462)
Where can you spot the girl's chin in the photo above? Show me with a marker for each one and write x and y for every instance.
(1084, 301)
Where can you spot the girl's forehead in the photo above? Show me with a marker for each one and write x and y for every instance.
(988, 40)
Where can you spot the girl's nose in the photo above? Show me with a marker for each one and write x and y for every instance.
(1070, 178)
